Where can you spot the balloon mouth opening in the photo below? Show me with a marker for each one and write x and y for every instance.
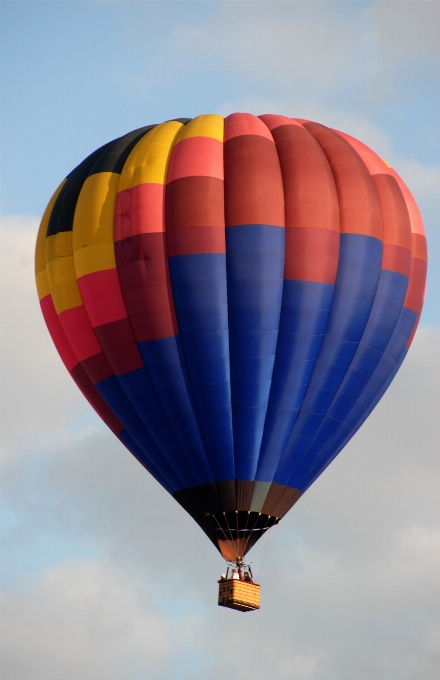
(235, 533)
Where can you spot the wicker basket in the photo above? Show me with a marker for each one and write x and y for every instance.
(240, 595)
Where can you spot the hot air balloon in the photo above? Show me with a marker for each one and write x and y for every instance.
(233, 296)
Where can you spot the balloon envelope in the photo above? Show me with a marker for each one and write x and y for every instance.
(233, 296)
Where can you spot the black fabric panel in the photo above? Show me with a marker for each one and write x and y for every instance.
(184, 121)
(115, 156)
(108, 158)
(61, 218)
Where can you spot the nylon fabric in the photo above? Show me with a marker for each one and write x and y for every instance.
(233, 296)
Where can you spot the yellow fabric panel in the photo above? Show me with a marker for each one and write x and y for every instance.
(95, 258)
(148, 161)
(40, 249)
(60, 270)
(92, 241)
(66, 296)
(63, 243)
(59, 245)
(43, 287)
(61, 274)
(207, 125)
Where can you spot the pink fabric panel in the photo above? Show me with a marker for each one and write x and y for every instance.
(196, 156)
(245, 124)
(139, 210)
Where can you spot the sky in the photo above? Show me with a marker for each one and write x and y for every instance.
(96, 582)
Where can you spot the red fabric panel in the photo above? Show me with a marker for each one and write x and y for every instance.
(416, 287)
(196, 240)
(79, 332)
(57, 333)
(75, 320)
(139, 210)
(196, 156)
(238, 124)
(396, 223)
(106, 309)
(253, 182)
(309, 187)
(273, 121)
(101, 294)
(99, 285)
(359, 205)
(97, 368)
(194, 202)
(396, 259)
(94, 398)
(414, 213)
(374, 163)
(311, 254)
(418, 245)
(84, 344)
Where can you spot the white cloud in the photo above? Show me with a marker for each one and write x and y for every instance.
(349, 584)
(32, 373)
(84, 619)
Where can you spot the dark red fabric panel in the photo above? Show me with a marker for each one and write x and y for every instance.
(253, 183)
(94, 398)
(359, 206)
(416, 287)
(418, 246)
(311, 254)
(309, 189)
(146, 286)
(154, 325)
(159, 299)
(139, 247)
(194, 202)
(396, 222)
(396, 259)
(124, 359)
(113, 335)
(117, 341)
(198, 239)
(97, 367)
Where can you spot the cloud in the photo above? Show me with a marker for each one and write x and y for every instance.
(32, 372)
(83, 619)
(106, 575)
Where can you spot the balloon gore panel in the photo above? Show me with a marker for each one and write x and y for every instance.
(233, 296)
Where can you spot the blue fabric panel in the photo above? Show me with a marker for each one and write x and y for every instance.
(357, 281)
(252, 343)
(293, 473)
(165, 365)
(303, 347)
(292, 372)
(304, 315)
(285, 396)
(201, 302)
(279, 421)
(141, 394)
(356, 411)
(112, 392)
(255, 270)
(131, 445)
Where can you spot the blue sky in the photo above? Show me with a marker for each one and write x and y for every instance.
(81, 530)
